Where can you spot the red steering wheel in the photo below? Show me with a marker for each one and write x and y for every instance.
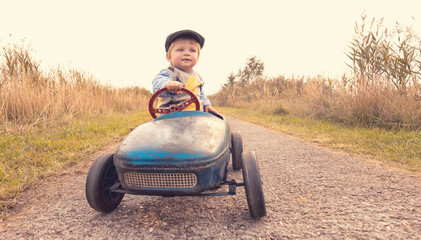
(173, 108)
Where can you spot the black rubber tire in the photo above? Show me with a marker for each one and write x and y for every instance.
(237, 150)
(253, 185)
(101, 176)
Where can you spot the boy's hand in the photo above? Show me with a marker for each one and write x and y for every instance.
(174, 86)
(209, 108)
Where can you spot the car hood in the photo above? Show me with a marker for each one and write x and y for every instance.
(175, 139)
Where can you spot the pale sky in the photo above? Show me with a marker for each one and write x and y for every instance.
(121, 43)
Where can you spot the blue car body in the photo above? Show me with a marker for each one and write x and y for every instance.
(182, 153)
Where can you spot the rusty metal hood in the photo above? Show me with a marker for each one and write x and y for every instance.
(176, 139)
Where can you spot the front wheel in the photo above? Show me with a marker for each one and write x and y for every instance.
(253, 185)
(101, 176)
(237, 150)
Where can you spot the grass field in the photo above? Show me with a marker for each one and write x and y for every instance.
(35, 153)
(374, 110)
(400, 148)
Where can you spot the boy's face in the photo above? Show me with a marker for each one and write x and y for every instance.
(183, 54)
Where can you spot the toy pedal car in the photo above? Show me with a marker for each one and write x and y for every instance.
(179, 153)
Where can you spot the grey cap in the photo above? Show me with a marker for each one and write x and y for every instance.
(184, 33)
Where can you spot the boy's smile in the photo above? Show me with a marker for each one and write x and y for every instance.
(183, 54)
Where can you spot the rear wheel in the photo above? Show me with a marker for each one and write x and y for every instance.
(253, 185)
(101, 176)
(237, 150)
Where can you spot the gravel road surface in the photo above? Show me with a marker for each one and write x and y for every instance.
(311, 192)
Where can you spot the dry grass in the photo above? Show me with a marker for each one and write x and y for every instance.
(383, 90)
(376, 104)
(30, 96)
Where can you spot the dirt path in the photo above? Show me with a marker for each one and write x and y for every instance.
(311, 193)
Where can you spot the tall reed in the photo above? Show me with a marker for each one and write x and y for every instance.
(383, 88)
(30, 96)
(377, 104)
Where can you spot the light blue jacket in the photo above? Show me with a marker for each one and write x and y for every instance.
(173, 74)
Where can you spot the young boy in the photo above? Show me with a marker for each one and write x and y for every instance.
(182, 52)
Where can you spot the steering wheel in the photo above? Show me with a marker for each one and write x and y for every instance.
(173, 108)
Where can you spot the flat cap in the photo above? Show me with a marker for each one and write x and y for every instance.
(184, 33)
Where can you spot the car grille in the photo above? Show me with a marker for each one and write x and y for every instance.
(161, 180)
